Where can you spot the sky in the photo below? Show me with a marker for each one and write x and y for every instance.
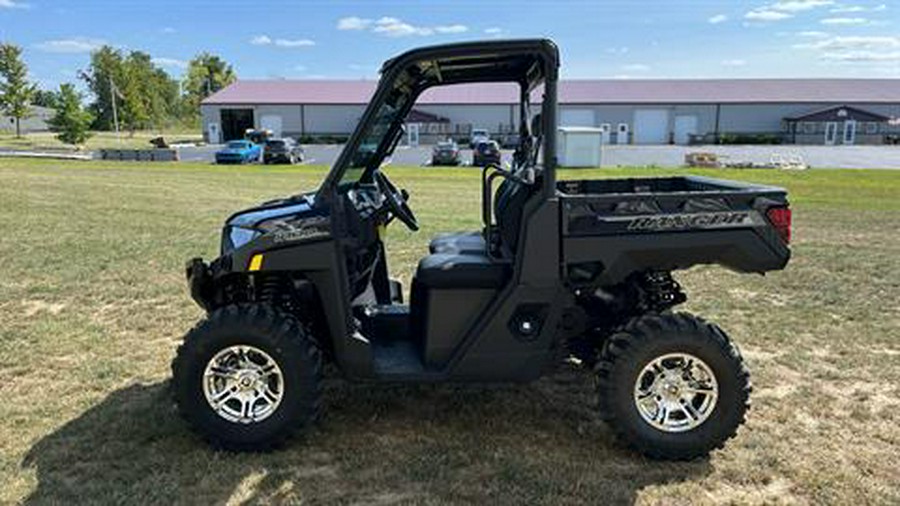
(349, 39)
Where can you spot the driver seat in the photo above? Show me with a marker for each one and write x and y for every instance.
(508, 202)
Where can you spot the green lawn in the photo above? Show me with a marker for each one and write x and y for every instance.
(93, 304)
(43, 141)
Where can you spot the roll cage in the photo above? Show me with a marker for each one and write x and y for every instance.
(530, 63)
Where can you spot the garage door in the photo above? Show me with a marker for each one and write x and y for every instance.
(576, 117)
(651, 126)
(685, 127)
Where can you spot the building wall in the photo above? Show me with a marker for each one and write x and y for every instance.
(36, 122)
(732, 118)
(495, 118)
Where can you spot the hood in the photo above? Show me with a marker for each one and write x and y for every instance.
(244, 226)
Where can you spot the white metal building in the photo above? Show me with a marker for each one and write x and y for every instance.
(628, 111)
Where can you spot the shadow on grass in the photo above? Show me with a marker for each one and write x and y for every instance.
(535, 444)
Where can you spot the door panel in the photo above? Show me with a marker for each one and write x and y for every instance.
(651, 126)
(685, 127)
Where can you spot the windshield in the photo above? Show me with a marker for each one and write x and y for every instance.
(238, 144)
(375, 138)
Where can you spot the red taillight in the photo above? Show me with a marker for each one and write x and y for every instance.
(780, 217)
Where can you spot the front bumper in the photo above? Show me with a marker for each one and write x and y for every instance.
(199, 278)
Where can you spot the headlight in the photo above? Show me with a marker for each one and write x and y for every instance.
(235, 237)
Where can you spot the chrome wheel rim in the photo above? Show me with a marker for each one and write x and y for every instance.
(676, 392)
(243, 384)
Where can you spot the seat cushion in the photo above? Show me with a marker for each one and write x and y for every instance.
(462, 242)
(446, 270)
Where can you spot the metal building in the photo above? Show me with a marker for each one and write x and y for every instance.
(809, 111)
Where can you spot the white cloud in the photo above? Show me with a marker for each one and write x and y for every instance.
(718, 18)
(451, 29)
(636, 67)
(736, 62)
(494, 30)
(265, 40)
(843, 43)
(849, 9)
(767, 15)
(617, 50)
(13, 4)
(294, 42)
(300, 68)
(395, 27)
(799, 5)
(167, 29)
(390, 26)
(170, 62)
(813, 34)
(862, 56)
(353, 23)
(73, 45)
(844, 21)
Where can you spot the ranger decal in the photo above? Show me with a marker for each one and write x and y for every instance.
(693, 220)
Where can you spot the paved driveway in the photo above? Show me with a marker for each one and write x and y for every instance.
(851, 157)
(326, 154)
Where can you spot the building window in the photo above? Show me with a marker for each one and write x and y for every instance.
(871, 127)
(808, 127)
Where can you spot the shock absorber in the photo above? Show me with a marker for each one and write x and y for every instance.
(660, 291)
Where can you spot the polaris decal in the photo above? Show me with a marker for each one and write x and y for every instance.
(693, 220)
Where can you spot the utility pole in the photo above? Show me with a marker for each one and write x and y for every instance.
(113, 91)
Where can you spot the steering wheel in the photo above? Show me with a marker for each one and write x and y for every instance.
(396, 201)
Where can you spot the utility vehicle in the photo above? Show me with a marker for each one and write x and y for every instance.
(562, 270)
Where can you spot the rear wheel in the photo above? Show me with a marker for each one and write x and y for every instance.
(248, 377)
(672, 386)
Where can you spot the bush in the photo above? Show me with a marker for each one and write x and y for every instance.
(750, 139)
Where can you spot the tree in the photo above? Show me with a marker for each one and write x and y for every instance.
(44, 98)
(206, 74)
(71, 121)
(144, 94)
(15, 90)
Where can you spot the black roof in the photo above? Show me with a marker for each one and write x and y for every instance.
(522, 60)
(840, 113)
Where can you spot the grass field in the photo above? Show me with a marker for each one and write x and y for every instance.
(93, 304)
(44, 141)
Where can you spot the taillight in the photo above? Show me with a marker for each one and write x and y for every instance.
(780, 217)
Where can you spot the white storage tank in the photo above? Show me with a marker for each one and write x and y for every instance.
(579, 146)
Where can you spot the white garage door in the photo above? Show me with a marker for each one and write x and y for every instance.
(651, 126)
(576, 117)
(271, 122)
(685, 127)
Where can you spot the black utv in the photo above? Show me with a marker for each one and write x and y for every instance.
(562, 270)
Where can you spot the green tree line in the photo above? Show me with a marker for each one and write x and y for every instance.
(124, 86)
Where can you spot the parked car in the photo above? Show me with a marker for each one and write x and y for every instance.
(486, 152)
(282, 150)
(445, 153)
(478, 135)
(258, 136)
(510, 141)
(239, 152)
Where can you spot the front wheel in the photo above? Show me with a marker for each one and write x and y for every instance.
(672, 386)
(248, 377)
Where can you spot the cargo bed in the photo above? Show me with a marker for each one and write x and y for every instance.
(613, 227)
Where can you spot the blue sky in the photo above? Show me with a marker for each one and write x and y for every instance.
(349, 39)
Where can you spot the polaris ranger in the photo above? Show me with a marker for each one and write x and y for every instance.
(562, 270)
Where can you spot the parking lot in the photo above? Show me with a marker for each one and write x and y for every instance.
(850, 157)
